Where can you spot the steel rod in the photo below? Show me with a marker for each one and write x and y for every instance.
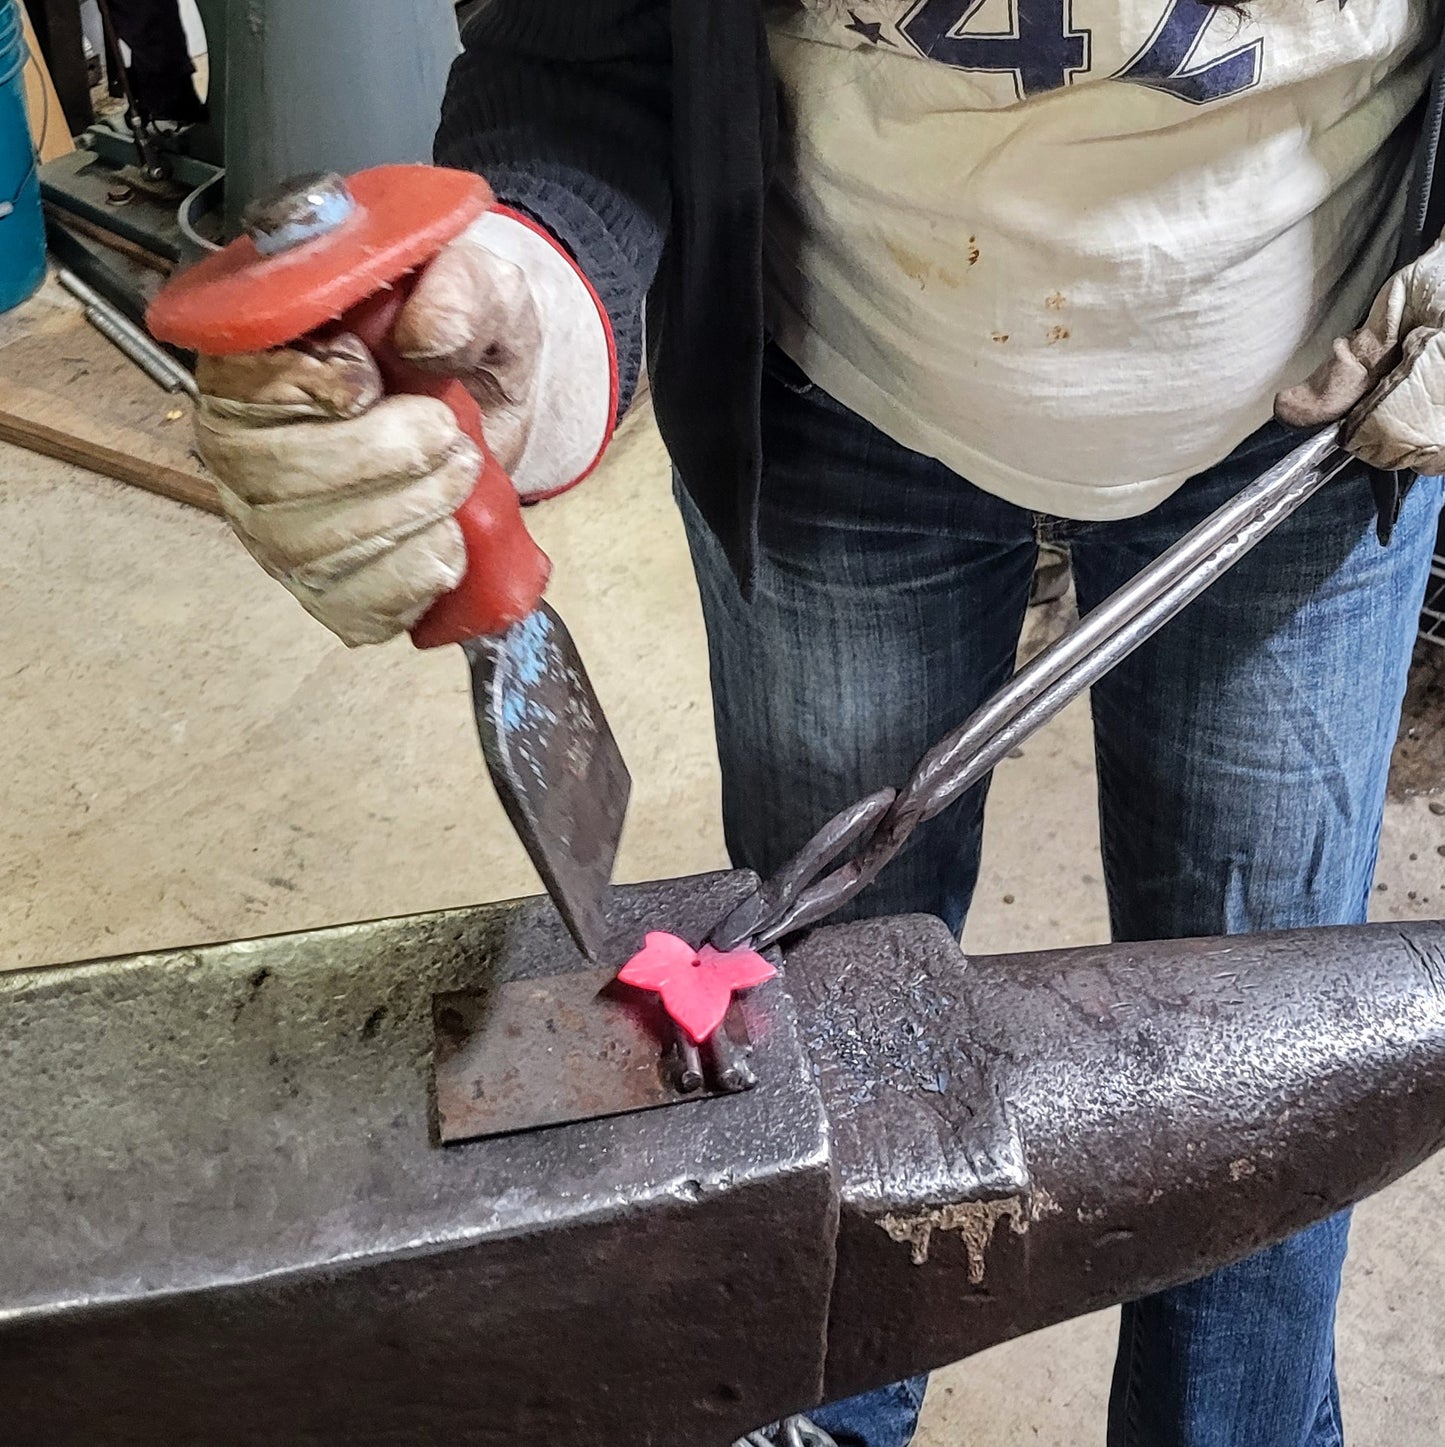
(685, 1062)
(1112, 631)
(727, 1063)
(123, 333)
(123, 342)
(1195, 549)
(1139, 616)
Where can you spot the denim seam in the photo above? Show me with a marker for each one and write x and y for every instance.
(1132, 1403)
(1109, 860)
(1337, 1427)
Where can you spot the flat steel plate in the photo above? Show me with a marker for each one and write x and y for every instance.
(533, 1053)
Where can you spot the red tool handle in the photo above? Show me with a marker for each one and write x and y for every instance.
(506, 571)
(361, 270)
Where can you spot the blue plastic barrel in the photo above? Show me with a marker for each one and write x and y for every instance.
(22, 232)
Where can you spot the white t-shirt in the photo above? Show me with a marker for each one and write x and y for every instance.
(1074, 247)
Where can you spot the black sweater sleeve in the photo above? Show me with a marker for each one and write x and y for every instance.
(565, 108)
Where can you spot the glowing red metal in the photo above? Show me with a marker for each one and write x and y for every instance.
(696, 986)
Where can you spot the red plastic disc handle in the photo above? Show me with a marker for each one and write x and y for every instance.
(358, 276)
(236, 300)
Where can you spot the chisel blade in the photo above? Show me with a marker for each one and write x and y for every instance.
(555, 764)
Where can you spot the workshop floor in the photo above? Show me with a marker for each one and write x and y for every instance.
(189, 758)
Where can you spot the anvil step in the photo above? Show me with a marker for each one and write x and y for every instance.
(224, 1217)
(1025, 1138)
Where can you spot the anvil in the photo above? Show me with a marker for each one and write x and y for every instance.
(225, 1217)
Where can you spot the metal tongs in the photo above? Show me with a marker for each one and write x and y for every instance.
(801, 893)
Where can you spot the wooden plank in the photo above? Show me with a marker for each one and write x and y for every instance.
(67, 392)
(48, 126)
(44, 422)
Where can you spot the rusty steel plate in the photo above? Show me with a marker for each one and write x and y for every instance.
(568, 1047)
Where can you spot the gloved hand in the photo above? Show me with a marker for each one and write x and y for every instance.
(1387, 380)
(347, 496)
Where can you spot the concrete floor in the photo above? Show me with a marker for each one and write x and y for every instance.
(189, 758)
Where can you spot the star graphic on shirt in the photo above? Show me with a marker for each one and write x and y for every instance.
(870, 30)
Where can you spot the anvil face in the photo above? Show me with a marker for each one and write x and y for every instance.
(226, 1217)
(224, 1209)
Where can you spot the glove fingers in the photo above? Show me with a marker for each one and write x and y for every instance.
(473, 316)
(507, 427)
(1357, 363)
(1401, 424)
(401, 437)
(1329, 392)
(390, 593)
(471, 309)
(319, 541)
(335, 377)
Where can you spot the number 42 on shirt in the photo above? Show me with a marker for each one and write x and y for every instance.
(1044, 50)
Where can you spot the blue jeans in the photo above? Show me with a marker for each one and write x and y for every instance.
(1242, 759)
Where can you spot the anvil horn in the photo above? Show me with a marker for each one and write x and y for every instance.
(1025, 1138)
(224, 1217)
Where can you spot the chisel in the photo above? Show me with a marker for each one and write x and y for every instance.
(327, 253)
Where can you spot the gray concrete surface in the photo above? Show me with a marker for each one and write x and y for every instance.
(187, 758)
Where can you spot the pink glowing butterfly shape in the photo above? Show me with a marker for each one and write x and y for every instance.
(696, 985)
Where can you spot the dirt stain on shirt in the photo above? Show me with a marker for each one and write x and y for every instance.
(920, 269)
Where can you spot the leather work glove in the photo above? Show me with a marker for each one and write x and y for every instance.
(1387, 380)
(345, 495)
